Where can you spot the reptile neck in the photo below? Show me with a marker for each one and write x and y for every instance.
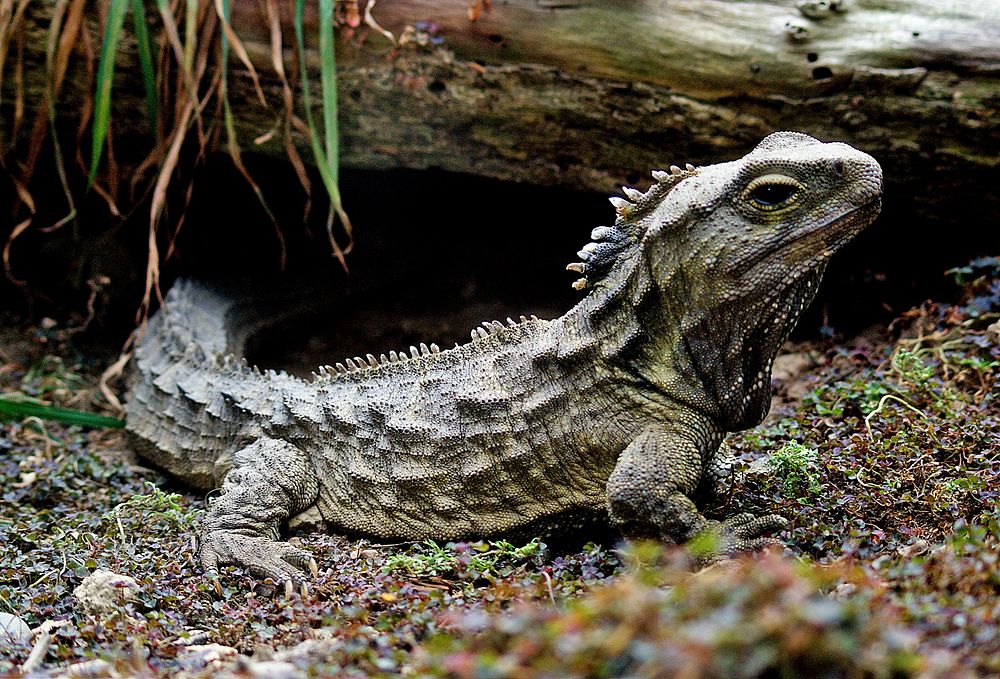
(714, 359)
(730, 348)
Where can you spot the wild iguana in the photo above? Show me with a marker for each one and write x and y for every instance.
(619, 407)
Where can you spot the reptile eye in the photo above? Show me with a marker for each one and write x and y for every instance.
(772, 195)
(772, 192)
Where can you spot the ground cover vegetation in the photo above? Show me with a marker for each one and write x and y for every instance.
(884, 451)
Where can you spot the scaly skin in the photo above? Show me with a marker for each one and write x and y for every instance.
(618, 408)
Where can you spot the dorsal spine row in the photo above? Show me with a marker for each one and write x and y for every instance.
(607, 242)
(358, 363)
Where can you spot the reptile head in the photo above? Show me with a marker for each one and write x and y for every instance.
(702, 277)
(735, 252)
(754, 225)
(742, 227)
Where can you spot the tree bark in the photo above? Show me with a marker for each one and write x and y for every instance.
(595, 94)
(591, 94)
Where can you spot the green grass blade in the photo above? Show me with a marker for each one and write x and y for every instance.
(105, 74)
(226, 15)
(145, 61)
(321, 157)
(227, 112)
(306, 95)
(20, 407)
(328, 86)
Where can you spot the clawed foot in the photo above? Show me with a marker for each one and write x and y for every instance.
(264, 558)
(737, 535)
(745, 533)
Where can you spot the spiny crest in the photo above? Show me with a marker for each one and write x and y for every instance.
(228, 364)
(359, 363)
(490, 327)
(608, 242)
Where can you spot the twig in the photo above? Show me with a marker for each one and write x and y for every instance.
(38, 652)
(548, 584)
(881, 405)
(370, 20)
(39, 580)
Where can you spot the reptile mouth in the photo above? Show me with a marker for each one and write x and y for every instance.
(864, 214)
(845, 227)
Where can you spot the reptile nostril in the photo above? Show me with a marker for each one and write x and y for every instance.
(838, 167)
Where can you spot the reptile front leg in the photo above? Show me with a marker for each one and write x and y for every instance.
(649, 495)
(270, 481)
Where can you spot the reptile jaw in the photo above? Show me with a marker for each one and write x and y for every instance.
(842, 229)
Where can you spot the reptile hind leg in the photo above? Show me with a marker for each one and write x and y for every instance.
(270, 481)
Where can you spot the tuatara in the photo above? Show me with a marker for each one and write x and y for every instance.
(617, 408)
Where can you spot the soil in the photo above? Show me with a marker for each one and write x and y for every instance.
(883, 450)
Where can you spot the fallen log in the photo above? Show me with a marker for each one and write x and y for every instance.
(592, 95)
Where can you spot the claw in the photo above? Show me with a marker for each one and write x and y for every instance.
(289, 589)
(313, 568)
(304, 590)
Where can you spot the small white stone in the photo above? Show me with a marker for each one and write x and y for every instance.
(104, 591)
(13, 629)
(275, 669)
(202, 655)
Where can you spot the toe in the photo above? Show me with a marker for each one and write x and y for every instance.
(763, 525)
(297, 557)
(740, 520)
(277, 570)
(209, 561)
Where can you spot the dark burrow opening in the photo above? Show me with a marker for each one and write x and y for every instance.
(437, 253)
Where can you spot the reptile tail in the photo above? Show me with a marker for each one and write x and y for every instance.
(181, 366)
